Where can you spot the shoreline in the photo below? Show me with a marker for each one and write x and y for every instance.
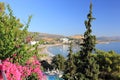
(44, 51)
(103, 42)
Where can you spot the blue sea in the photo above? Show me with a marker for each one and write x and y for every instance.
(63, 49)
(115, 46)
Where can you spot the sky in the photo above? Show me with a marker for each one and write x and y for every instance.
(66, 17)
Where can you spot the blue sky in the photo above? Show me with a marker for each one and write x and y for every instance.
(66, 17)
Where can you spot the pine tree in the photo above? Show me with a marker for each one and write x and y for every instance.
(88, 69)
(70, 69)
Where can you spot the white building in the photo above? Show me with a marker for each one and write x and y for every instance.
(33, 42)
(64, 40)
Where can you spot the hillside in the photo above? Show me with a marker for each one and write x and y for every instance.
(112, 38)
(45, 36)
(51, 37)
(77, 36)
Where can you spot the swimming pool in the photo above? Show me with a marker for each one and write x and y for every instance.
(53, 77)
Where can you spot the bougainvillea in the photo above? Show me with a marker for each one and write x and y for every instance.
(17, 72)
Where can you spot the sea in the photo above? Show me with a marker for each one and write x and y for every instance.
(63, 49)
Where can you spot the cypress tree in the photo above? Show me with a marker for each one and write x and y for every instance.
(88, 69)
(70, 69)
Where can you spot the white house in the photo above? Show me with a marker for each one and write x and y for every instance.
(64, 40)
(33, 42)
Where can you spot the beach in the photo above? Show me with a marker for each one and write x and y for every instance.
(46, 55)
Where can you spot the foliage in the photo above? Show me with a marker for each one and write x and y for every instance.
(32, 77)
(46, 65)
(16, 54)
(70, 69)
(58, 62)
(2, 8)
(109, 65)
(87, 67)
(13, 33)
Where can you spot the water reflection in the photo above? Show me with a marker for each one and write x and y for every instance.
(62, 49)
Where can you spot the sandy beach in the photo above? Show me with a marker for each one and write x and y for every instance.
(46, 54)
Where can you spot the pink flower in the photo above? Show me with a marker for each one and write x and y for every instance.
(17, 72)
(1, 67)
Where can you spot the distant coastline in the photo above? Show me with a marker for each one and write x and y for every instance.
(103, 42)
(107, 42)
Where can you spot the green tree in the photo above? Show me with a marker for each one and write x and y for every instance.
(109, 65)
(13, 34)
(87, 67)
(2, 8)
(58, 62)
(70, 69)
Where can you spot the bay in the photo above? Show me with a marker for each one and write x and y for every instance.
(63, 49)
(115, 46)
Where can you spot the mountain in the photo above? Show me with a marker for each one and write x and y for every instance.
(78, 36)
(111, 38)
(51, 37)
(46, 35)
(99, 39)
